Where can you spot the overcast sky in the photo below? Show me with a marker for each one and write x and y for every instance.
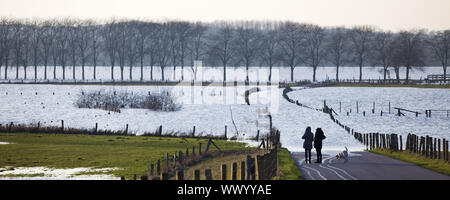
(386, 14)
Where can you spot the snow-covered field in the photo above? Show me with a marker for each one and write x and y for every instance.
(415, 99)
(20, 104)
(44, 173)
(103, 73)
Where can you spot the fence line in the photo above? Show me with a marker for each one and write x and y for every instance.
(257, 167)
(427, 146)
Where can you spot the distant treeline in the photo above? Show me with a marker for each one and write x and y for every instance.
(177, 44)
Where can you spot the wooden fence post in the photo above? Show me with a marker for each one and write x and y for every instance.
(234, 171)
(180, 174)
(196, 174)
(446, 150)
(223, 172)
(167, 160)
(158, 168)
(225, 135)
(439, 148)
(126, 130)
(401, 143)
(208, 174)
(242, 170)
(62, 125)
(257, 135)
(151, 170)
(160, 130)
(193, 131)
(434, 149)
(164, 176)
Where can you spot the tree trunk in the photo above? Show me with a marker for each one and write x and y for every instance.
(112, 72)
(224, 73)
(131, 72)
(151, 72)
(360, 72)
(246, 76)
(270, 73)
(64, 72)
(54, 72)
(17, 72)
(407, 74)
(445, 72)
(292, 74)
(121, 73)
(162, 73)
(314, 73)
(337, 73)
(25, 72)
(73, 72)
(35, 72)
(142, 70)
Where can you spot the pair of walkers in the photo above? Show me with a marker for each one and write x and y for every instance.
(309, 137)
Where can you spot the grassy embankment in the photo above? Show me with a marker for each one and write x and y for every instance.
(288, 170)
(130, 154)
(432, 164)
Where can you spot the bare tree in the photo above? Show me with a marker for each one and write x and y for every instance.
(291, 39)
(440, 46)
(174, 44)
(184, 37)
(122, 45)
(132, 44)
(221, 46)
(109, 34)
(270, 54)
(73, 28)
(197, 44)
(247, 44)
(95, 31)
(142, 36)
(152, 44)
(35, 37)
(162, 44)
(337, 48)
(6, 42)
(84, 38)
(17, 29)
(315, 47)
(383, 50)
(47, 39)
(62, 45)
(411, 49)
(26, 44)
(361, 37)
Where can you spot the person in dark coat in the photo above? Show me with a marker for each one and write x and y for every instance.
(307, 144)
(318, 137)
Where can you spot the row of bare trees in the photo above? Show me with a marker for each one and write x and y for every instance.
(134, 43)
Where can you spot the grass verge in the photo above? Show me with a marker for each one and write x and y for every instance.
(130, 154)
(288, 168)
(432, 164)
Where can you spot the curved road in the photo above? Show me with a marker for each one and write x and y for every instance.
(363, 166)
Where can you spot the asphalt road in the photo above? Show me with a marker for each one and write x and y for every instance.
(363, 166)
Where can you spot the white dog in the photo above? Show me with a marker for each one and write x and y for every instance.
(343, 155)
